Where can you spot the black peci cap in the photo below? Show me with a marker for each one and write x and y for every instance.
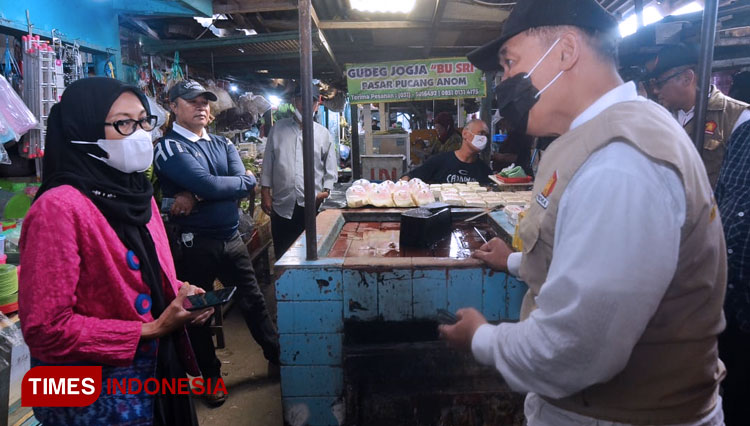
(189, 89)
(673, 56)
(529, 14)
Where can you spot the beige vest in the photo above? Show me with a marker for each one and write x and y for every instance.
(673, 373)
(723, 113)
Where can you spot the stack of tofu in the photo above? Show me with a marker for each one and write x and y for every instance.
(472, 195)
(519, 198)
(464, 195)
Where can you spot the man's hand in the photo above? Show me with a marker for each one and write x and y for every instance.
(183, 204)
(494, 254)
(460, 334)
(265, 200)
(320, 198)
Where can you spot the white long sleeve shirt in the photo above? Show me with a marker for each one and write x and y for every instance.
(684, 117)
(617, 241)
(283, 169)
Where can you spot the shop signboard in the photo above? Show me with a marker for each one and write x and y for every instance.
(418, 80)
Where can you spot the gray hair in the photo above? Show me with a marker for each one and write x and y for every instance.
(485, 130)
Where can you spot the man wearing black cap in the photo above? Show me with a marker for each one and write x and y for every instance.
(620, 321)
(282, 179)
(674, 81)
(205, 176)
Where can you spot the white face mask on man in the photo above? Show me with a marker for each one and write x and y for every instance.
(134, 153)
(479, 142)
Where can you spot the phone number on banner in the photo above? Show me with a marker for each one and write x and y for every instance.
(423, 94)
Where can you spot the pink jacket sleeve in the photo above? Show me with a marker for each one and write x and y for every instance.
(52, 328)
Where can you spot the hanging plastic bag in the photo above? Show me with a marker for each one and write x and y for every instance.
(15, 112)
(6, 133)
(161, 117)
(224, 101)
(4, 157)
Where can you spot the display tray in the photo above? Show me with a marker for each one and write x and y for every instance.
(506, 181)
(381, 239)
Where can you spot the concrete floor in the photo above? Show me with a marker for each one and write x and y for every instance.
(254, 398)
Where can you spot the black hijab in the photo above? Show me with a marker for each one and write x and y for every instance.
(123, 198)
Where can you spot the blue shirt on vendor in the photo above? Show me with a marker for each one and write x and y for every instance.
(209, 167)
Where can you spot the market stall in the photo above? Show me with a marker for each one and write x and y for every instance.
(390, 255)
(367, 301)
(384, 83)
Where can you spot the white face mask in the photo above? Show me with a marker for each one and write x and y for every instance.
(479, 142)
(131, 154)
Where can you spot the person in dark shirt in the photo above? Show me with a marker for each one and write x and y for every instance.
(733, 199)
(462, 165)
(205, 176)
(515, 150)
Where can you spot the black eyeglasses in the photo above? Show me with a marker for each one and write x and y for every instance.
(661, 82)
(129, 126)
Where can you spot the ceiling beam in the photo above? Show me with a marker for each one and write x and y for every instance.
(733, 41)
(407, 25)
(259, 24)
(253, 6)
(436, 18)
(211, 43)
(281, 24)
(202, 7)
(731, 63)
(142, 25)
(322, 44)
(245, 59)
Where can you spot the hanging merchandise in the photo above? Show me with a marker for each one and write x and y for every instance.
(109, 69)
(11, 70)
(255, 105)
(40, 92)
(161, 117)
(144, 80)
(15, 117)
(224, 101)
(70, 62)
(176, 72)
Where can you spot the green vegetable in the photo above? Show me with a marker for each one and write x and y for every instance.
(515, 172)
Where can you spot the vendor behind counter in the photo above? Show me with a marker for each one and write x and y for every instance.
(460, 166)
(516, 149)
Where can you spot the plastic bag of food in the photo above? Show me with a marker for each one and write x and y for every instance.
(423, 196)
(381, 197)
(402, 198)
(389, 185)
(356, 196)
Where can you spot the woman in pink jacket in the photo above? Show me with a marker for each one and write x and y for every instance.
(97, 284)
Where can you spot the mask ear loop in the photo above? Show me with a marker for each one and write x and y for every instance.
(549, 84)
(539, 62)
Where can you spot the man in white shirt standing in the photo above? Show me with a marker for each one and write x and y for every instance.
(623, 249)
(282, 179)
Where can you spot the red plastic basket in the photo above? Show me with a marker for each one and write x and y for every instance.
(526, 179)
